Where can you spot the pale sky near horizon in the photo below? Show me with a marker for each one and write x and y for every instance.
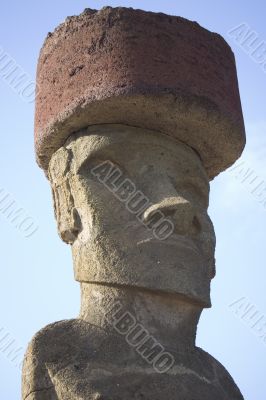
(37, 284)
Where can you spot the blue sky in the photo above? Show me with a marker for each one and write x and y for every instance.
(37, 285)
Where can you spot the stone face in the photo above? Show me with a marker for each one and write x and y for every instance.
(136, 113)
(142, 69)
(118, 248)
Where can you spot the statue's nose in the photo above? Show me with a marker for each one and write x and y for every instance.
(180, 211)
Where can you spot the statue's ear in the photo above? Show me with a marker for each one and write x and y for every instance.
(68, 219)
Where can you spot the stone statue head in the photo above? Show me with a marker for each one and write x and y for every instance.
(131, 191)
(133, 205)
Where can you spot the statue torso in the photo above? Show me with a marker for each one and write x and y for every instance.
(78, 361)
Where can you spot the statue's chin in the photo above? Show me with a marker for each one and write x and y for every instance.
(169, 266)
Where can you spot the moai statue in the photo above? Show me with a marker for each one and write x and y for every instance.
(136, 113)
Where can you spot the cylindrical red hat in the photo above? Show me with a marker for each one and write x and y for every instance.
(144, 69)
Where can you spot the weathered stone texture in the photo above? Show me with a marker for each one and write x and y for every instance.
(141, 69)
(118, 249)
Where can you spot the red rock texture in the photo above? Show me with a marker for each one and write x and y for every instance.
(144, 69)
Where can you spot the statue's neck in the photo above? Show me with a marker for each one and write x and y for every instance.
(171, 320)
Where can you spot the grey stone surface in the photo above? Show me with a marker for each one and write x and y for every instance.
(118, 249)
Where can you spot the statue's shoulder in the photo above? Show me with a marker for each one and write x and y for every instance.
(51, 338)
(52, 348)
(63, 336)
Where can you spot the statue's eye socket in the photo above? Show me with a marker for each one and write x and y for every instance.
(89, 165)
(192, 189)
(100, 169)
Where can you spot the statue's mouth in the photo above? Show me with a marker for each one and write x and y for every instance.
(175, 240)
